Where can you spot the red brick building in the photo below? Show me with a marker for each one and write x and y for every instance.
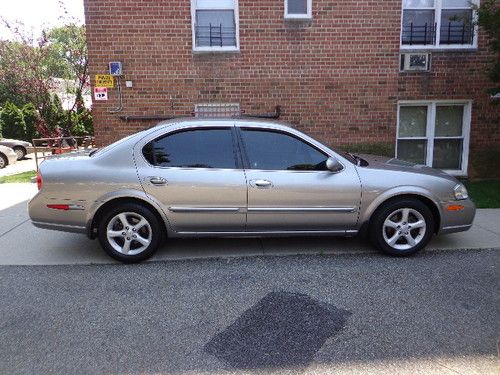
(386, 76)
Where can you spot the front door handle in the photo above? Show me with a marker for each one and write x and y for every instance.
(158, 181)
(262, 184)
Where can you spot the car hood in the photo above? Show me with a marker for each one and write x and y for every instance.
(393, 164)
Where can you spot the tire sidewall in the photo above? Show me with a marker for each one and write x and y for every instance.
(376, 228)
(5, 161)
(136, 208)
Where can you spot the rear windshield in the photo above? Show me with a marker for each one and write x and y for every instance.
(102, 150)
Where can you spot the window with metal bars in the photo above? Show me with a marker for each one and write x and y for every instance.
(215, 25)
(438, 23)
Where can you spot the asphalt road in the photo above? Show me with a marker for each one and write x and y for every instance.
(435, 313)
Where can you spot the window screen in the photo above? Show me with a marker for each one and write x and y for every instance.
(297, 7)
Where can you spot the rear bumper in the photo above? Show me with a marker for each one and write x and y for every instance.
(60, 227)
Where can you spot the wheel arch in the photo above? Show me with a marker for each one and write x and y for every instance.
(93, 222)
(379, 204)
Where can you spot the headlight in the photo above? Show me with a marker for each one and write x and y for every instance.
(460, 192)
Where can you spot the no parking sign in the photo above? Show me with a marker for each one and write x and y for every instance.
(100, 93)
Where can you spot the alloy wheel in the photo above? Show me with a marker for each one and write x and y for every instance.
(404, 228)
(129, 233)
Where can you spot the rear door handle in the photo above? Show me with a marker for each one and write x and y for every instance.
(158, 181)
(262, 184)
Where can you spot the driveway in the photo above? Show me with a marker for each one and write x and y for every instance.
(435, 313)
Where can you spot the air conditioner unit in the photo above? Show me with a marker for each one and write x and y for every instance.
(415, 61)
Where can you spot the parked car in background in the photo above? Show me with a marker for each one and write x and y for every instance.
(7, 156)
(241, 177)
(21, 148)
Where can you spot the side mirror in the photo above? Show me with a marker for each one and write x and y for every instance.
(333, 164)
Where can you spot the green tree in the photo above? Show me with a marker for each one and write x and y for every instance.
(67, 56)
(489, 20)
(31, 119)
(52, 112)
(13, 125)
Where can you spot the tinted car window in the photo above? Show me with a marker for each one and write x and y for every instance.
(270, 150)
(200, 148)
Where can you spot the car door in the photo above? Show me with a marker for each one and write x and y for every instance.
(196, 176)
(290, 188)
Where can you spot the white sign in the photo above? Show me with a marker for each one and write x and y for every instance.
(100, 93)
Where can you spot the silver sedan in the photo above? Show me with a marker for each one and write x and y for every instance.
(7, 156)
(194, 177)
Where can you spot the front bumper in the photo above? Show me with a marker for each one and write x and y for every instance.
(457, 220)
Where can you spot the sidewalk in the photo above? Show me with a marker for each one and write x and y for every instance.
(23, 244)
(25, 165)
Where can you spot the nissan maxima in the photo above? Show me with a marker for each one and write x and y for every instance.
(242, 177)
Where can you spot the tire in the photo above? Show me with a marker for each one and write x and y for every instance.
(3, 161)
(142, 238)
(20, 152)
(402, 227)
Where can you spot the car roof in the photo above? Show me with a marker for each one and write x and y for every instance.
(251, 122)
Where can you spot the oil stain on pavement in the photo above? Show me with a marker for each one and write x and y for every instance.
(283, 329)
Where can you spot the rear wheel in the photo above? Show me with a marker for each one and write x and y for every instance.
(402, 227)
(20, 152)
(3, 161)
(130, 233)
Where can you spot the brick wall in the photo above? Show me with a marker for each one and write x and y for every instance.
(336, 77)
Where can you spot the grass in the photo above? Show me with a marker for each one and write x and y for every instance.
(485, 193)
(20, 177)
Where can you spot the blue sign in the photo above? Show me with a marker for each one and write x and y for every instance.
(115, 68)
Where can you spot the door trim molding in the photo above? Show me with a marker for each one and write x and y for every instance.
(301, 209)
(185, 209)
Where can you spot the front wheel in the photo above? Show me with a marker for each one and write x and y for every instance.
(402, 227)
(130, 233)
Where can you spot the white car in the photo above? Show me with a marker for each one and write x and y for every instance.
(7, 156)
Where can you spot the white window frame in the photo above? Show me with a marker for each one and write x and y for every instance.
(430, 129)
(438, 7)
(295, 16)
(216, 5)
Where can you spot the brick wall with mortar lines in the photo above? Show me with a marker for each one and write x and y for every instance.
(336, 77)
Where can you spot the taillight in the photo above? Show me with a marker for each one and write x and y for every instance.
(39, 181)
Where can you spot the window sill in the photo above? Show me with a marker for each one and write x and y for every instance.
(298, 17)
(201, 50)
(429, 49)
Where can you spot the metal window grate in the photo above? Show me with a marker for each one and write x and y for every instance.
(419, 34)
(217, 110)
(215, 36)
(457, 34)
